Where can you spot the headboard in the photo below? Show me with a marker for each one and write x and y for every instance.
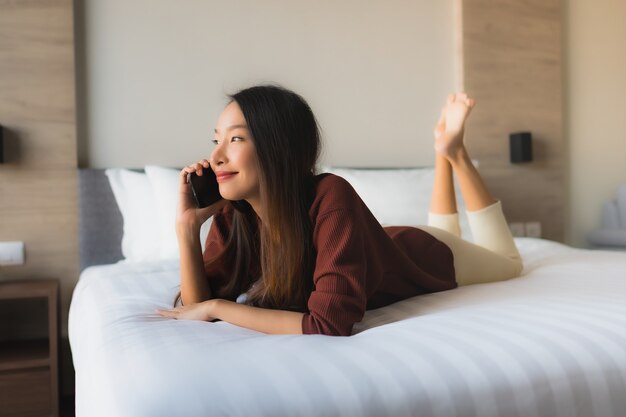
(100, 220)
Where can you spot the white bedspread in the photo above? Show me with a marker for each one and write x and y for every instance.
(549, 343)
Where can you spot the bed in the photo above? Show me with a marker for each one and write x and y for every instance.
(551, 342)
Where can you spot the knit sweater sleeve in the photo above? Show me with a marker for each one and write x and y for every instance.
(339, 298)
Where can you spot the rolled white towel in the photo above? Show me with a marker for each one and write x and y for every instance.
(608, 238)
(621, 205)
(610, 215)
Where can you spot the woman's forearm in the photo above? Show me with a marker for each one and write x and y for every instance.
(256, 318)
(194, 287)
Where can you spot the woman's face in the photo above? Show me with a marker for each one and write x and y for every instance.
(234, 158)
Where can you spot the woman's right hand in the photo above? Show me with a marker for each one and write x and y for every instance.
(188, 215)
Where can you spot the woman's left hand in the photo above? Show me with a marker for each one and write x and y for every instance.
(197, 311)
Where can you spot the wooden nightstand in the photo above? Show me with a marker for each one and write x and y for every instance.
(29, 369)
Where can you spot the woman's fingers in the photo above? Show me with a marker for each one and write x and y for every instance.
(191, 168)
(167, 313)
(172, 312)
(201, 165)
(197, 167)
(184, 173)
(191, 312)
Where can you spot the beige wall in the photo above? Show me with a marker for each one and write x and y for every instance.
(144, 65)
(154, 82)
(595, 86)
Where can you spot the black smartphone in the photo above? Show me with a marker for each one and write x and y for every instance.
(205, 188)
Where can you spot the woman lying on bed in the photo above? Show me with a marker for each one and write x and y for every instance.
(292, 252)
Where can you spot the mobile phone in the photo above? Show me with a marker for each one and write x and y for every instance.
(205, 188)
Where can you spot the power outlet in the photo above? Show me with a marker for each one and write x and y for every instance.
(517, 229)
(533, 229)
(11, 253)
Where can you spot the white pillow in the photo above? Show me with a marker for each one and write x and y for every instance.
(165, 185)
(398, 196)
(135, 199)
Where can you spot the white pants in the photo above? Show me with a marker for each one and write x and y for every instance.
(492, 257)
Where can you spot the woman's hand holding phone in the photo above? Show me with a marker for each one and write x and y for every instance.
(194, 287)
(188, 215)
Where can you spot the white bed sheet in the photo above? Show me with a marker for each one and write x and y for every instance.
(549, 343)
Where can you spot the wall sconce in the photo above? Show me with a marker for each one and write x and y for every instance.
(521, 147)
(1, 144)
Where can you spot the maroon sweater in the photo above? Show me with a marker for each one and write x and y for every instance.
(359, 264)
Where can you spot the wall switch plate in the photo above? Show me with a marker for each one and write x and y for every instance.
(533, 229)
(517, 229)
(11, 253)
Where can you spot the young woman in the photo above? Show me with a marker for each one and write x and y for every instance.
(292, 252)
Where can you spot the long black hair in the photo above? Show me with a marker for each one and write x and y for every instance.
(287, 142)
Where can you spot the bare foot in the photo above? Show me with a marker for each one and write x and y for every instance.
(451, 124)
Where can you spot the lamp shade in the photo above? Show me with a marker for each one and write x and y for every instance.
(521, 147)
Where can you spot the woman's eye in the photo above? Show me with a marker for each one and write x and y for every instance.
(234, 138)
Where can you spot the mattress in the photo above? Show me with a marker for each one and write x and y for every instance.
(551, 342)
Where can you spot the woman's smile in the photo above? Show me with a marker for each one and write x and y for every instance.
(224, 176)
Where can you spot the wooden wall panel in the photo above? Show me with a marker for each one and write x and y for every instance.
(511, 53)
(38, 184)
